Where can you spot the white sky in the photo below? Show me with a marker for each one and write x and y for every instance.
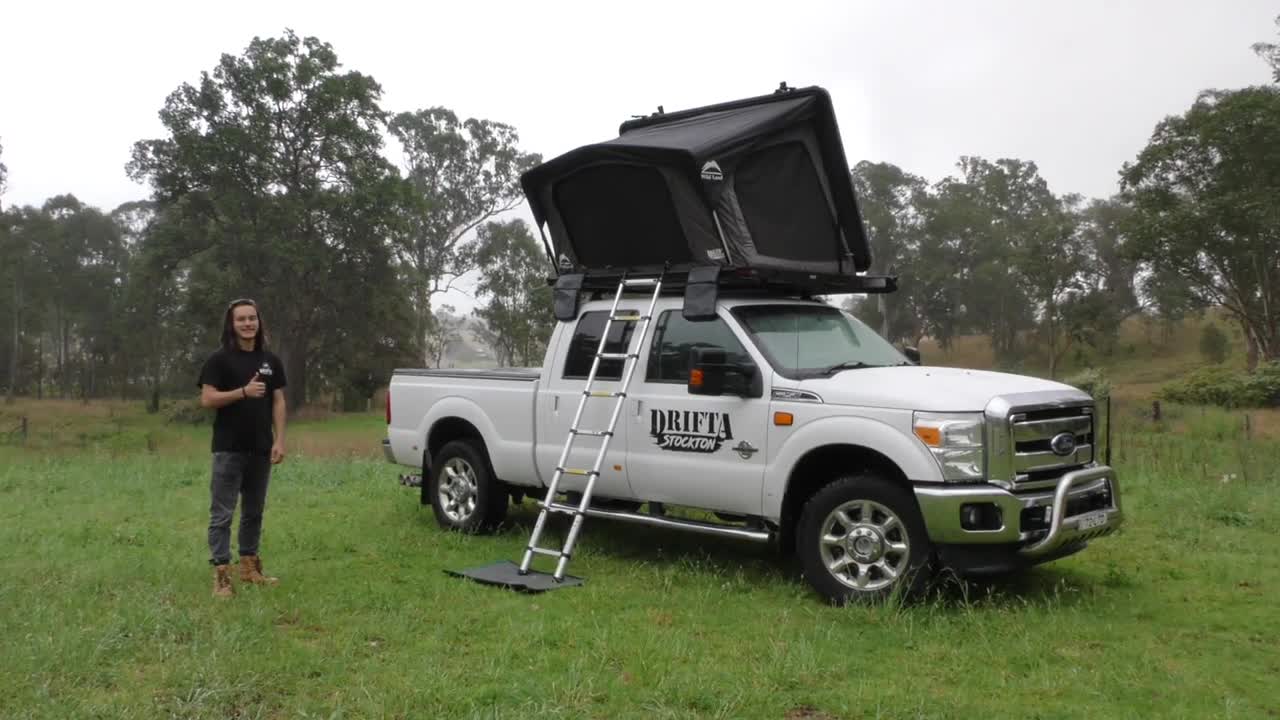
(1075, 86)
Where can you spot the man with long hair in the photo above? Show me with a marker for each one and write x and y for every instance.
(245, 383)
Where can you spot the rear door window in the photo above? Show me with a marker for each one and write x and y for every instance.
(586, 340)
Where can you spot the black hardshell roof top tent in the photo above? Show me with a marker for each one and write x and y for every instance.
(750, 193)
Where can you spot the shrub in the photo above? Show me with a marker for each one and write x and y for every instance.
(1213, 344)
(188, 412)
(1092, 381)
(1227, 388)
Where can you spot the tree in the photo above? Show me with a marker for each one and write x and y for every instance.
(79, 255)
(444, 330)
(1016, 227)
(886, 195)
(1213, 344)
(4, 175)
(1109, 270)
(153, 328)
(1270, 54)
(513, 276)
(1204, 194)
(27, 233)
(22, 230)
(1051, 265)
(273, 161)
(459, 175)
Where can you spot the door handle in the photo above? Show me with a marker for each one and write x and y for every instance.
(639, 407)
(555, 403)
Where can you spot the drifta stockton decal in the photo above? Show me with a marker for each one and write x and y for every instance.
(689, 430)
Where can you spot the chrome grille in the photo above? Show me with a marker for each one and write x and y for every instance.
(1031, 434)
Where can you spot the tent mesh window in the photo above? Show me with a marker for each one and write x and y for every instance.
(632, 221)
(784, 204)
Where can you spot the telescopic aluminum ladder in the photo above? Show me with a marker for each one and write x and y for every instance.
(630, 358)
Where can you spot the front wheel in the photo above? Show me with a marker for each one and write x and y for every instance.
(861, 539)
(464, 494)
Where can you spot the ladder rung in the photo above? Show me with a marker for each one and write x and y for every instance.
(545, 551)
(603, 393)
(640, 282)
(618, 356)
(577, 471)
(629, 318)
(558, 508)
(592, 433)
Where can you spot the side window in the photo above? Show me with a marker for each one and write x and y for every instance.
(675, 339)
(586, 339)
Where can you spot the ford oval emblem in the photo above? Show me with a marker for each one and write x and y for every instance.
(1063, 444)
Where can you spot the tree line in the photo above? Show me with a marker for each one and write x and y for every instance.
(272, 181)
(992, 250)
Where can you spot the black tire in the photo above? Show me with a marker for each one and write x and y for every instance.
(464, 494)
(873, 557)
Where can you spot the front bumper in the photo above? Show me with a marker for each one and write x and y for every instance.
(1085, 504)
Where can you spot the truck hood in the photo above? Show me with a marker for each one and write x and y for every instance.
(906, 387)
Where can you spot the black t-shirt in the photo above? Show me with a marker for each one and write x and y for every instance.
(244, 425)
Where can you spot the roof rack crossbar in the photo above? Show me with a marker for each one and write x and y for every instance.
(700, 285)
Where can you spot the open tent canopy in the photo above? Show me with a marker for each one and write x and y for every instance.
(760, 184)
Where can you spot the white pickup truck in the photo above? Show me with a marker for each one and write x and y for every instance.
(822, 437)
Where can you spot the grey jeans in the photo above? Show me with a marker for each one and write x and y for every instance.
(237, 475)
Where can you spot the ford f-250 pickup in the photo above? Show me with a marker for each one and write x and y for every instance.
(821, 436)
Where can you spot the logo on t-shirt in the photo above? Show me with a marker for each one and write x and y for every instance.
(265, 370)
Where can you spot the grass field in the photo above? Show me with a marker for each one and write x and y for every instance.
(105, 608)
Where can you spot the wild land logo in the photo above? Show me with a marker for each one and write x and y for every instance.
(265, 369)
(711, 171)
(689, 430)
(565, 262)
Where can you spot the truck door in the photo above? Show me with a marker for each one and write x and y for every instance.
(558, 404)
(695, 450)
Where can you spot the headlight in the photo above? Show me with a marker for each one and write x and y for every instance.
(955, 439)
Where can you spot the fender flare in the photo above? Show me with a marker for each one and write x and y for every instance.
(911, 456)
(460, 408)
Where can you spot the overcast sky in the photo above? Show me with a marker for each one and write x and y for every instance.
(1074, 86)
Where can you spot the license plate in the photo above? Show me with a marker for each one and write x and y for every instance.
(1088, 521)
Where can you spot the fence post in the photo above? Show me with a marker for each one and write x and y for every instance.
(1155, 410)
(1245, 456)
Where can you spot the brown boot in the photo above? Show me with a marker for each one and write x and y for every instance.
(222, 582)
(251, 571)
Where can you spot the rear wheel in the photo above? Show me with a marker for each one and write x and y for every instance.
(464, 494)
(861, 539)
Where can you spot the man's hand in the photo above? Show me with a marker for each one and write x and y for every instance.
(256, 388)
(277, 453)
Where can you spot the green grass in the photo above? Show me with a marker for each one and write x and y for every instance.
(105, 607)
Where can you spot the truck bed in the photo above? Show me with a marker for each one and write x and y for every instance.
(518, 374)
(499, 403)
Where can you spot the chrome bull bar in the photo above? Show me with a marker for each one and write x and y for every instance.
(1063, 529)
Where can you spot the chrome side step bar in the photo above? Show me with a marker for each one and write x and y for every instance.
(704, 528)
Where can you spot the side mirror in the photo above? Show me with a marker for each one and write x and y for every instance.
(713, 374)
(913, 354)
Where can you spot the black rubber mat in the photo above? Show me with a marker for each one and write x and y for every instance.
(506, 574)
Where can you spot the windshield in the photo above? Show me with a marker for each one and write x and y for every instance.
(803, 341)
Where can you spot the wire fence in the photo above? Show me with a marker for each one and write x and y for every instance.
(16, 435)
